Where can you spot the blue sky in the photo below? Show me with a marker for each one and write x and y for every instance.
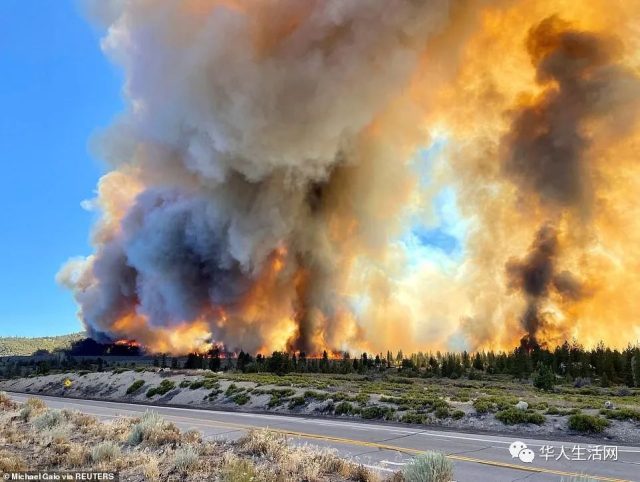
(56, 89)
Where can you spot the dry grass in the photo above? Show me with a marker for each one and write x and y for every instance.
(307, 462)
(77, 456)
(153, 430)
(105, 452)
(238, 470)
(153, 449)
(48, 420)
(10, 462)
(6, 403)
(151, 468)
(185, 458)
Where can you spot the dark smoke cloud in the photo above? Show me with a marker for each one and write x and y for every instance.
(547, 147)
(547, 144)
(533, 276)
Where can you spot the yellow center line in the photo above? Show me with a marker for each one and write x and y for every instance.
(407, 450)
(363, 443)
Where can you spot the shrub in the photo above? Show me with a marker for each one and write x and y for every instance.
(315, 395)
(512, 416)
(241, 398)
(153, 429)
(581, 422)
(238, 470)
(77, 456)
(344, 408)
(429, 467)
(185, 384)
(10, 462)
(623, 414)
(457, 414)
(210, 383)
(48, 420)
(135, 386)
(375, 412)
(163, 388)
(196, 384)
(233, 388)
(442, 412)
(483, 405)
(414, 417)
(5, 402)
(544, 379)
(106, 451)
(36, 404)
(25, 413)
(297, 402)
(185, 458)
(59, 434)
(362, 398)
(278, 396)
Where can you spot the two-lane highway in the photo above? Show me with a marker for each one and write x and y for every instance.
(476, 457)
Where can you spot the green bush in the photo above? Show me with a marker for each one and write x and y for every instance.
(375, 412)
(209, 384)
(163, 388)
(232, 389)
(623, 414)
(483, 405)
(278, 397)
(315, 395)
(457, 414)
(296, 402)
(185, 384)
(135, 386)
(581, 422)
(544, 379)
(241, 398)
(344, 408)
(414, 417)
(512, 416)
(442, 412)
(429, 467)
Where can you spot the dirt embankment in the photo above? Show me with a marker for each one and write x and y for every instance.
(202, 389)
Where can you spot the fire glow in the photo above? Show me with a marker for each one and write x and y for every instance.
(276, 177)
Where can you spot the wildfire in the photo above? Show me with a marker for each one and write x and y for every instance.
(129, 343)
(324, 176)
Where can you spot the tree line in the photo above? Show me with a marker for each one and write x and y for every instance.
(570, 361)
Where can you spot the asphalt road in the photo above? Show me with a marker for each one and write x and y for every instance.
(476, 457)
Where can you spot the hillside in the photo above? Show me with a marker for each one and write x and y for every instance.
(17, 345)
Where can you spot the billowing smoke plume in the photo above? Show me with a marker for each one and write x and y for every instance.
(267, 189)
(237, 167)
(547, 148)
